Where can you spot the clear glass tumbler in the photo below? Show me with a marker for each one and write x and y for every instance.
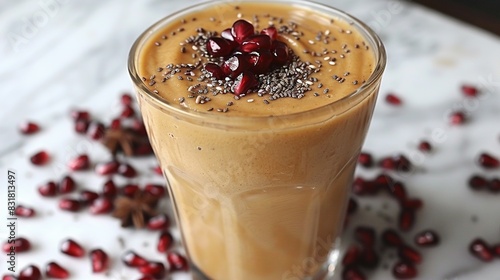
(260, 197)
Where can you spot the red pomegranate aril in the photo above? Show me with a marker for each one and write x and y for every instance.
(18, 245)
(54, 270)
(147, 277)
(384, 181)
(365, 236)
(271, 32)
(215, 70)
(425, 146)
(109, 189)
(409, 254)
(363, 187)
(244, 82)
(154, 269)
(479, 249)
(99, 260)
(82, 126)
(126, 170)
(130, 190)
(9, 277)
(101, 205)
(226, 34)
(351, 255)
(31, 272)
(404, 270)
(478, 182)
(387, 163)
(177, 261)
(29, 128)
(398, 191)
(157, 170)
(158, 222)
(107, 168)
(71, 205)
(219, 47)
(96, 130)
(126, 99)
(235, 65)
(352, 207)
(143, 149)
(392, 238)
(352, 273)
(241, 30)
(393, 99)
(406, 219)
(488, 161)
(427, 238)
(255, 43)
(80, 115)
(86, 197)
(369, 258)
(116, 124)
(469, 90)
(412, 203)
(155, 189)
(280, 53)
(40, 158)
(402, 163)
(25, 212)
(67, 185)
(261, 61)
(127, 112)
(365, 160)
(72, 248)
(494, 185)
(496, 250)
(48, 189)
(165, 241)
(132, 259)
(81, 162)
(457, 118)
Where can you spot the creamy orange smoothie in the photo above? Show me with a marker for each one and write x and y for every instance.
(259, 155)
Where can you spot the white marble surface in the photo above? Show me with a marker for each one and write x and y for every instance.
(62, 54)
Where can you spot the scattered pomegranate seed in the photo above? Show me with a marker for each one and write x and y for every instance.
(404, 270)
(244, 82)
(158, 222)
(107, 168)
(54, 270)
(457, 118)
(67, 184)
(29, 128)
(478, 182)
(425, 146)
(96, 130)
(165, 241)
(427, 238)
(365, 159)
(234, 66)
(82, 126)
(116, 124)
(479, 249)
(157, 170)
(260, 61)
(494, 185)
(40, 158)
(9, 277)
(241, 30)
(488, 161)
(126, 170)
(352, 206)
(101, 205)
(219, 47)
(393, 99)
(31, 272)
(81, 162)
(130, 190)
(384, 181)
(387, 163)
(398, 191)
(48, 189)
(80, 115)
(155, 189)
(143, 149)
(280, 53)
(363, 187)
(256, 43)
(365, 236)
(177, 261)
(352, 273)
(126, 99)
(391, 238)
(69, 204)
(25, 212)
(19, 245)
(127, 112)
(470, 91)
(72, 248)
(271, 32)
(147, 277)
(369, 258)
(87, 197)
(132, 259)
(109, 189)
(496, 250)
(409, 254)
(154, 269)
(406, 219)
(99, 260)
(351, 256)
(215, 70)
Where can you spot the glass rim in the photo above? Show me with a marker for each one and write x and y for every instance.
(368, 34)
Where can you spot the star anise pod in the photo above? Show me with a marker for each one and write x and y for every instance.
(137, 210)
(127, 141)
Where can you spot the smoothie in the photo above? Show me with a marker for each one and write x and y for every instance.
(259, 178)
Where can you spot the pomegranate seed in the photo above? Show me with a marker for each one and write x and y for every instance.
(352, 206)
(155, 190)
(48, 189)
(391, 238)
(496, 250)
(280, 53)
(398, 191)
(226, 34)
(406, 219)
(69, 204)
(107, 168)
(177, 262)
(477, 182)
(87, 197)
(245, 81)
(30, 273)
(81, 162)
(130, 190)
(147, 277)
(402, 163)
(116, 124)
(365, 160)
(384, 181)
(362, 187)
(9, 277)
(96, 130)
(80, 115)
(19, 245)
(82, 126)
(271, 32)
(469, 90)
(139, 127)
(99, 260)
(409, 254)
(165, 241)
(40, 158)
(235, 65)
(387, 163)
(219, 47)
(158, 170)
(457, 118)
(260, 60)
(29, 128)
(67, 184)
(352, 273)
(54, 270)
(154, 269)
(241, 30)
(427, 238)
(481, 250)
(494, 185)
(132, 259)
(393, 99)
(351, 256)
(126, 99)
(365, 236)
(71, 248)
(369, 258)
(425, 146)
(404, 270)
(414, 203)
(143, 149)
(126, 170)
(101, 206)
(158, 222)
(488, 161)
(109, 189)
(127, 112)
(215, 70)
(23, 211)
(255, 43)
